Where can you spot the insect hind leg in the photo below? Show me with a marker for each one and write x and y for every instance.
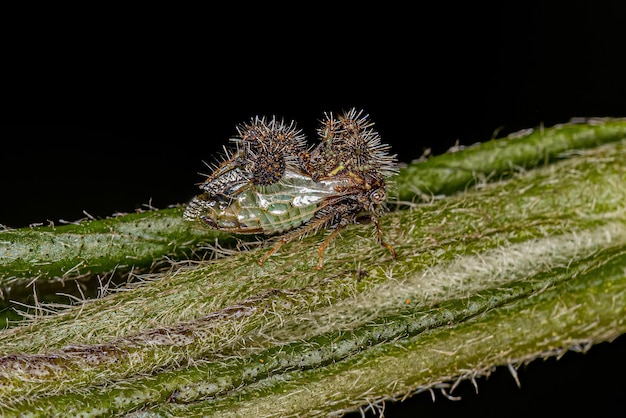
(275, 248)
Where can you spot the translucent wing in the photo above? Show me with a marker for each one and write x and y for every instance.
(242, 207)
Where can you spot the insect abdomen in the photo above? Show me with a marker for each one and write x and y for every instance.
(277, 217)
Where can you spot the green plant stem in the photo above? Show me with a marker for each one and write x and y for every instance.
(36, 264)
(454, 171)
(545, 246)
(463, 349)
(49, 259)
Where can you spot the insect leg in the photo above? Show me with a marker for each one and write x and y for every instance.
(303, 230)
(276, 247)
(379, 237)
(323, 245)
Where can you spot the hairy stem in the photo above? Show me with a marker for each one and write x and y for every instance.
(57, 264)
(476, 272)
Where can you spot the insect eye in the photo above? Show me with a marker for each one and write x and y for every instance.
(378, 196)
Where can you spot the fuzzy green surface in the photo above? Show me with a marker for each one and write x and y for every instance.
(49, 267)
(476, 272)
(68, 258)
(453, 171)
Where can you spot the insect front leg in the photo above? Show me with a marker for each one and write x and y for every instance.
(379, 237)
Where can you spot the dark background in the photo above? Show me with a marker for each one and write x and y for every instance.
(115, 111)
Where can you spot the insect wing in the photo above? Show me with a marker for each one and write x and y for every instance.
(230, 205)
(220, 190)
(288, 204)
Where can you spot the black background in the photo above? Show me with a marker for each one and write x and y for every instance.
(119, 109)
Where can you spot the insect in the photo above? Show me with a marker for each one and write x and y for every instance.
(273, 183)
